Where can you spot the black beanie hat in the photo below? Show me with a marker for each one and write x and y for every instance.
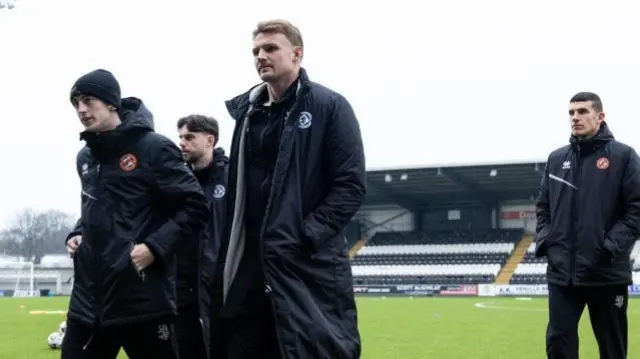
(100, 84)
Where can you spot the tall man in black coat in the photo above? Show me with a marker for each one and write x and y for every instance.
(296, 178)
(588, 220)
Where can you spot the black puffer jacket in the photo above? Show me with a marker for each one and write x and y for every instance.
(589, 211)
(207, 295)
(135, 189)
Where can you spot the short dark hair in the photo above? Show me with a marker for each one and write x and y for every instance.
(596, 103)
(200, 123)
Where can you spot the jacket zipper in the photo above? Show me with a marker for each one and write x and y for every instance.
(202, 248)
(203, 338)
(263, 263)
(97, 309)
(98, 284)
(140, 273)
(267, 282)
(574, 217)
(268, 287)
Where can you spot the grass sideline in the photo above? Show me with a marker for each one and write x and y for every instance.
(394, 327)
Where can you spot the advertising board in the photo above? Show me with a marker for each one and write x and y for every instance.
(459, 290)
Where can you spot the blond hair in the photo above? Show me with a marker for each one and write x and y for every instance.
(284, 27)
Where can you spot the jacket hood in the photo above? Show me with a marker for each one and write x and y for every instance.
(220, 158)
(135, 116)
(604, 135)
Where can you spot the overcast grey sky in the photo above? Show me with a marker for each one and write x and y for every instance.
(438, 82)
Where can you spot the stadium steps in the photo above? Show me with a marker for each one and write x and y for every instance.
(356, 247)
(516, 257)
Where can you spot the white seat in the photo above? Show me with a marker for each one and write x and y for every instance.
(532, 248)
(438, 248)
(425, 270)
(531, 268)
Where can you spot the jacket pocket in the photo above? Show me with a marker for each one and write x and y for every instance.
(542, 242)
(555, 252)
(130, 271)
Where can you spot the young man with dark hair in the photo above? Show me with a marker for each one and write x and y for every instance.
(140, 206)
(588, 220)
(297, 177)
(199, 276)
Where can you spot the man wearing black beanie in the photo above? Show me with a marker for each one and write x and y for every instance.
(140, 206)
(98, 85)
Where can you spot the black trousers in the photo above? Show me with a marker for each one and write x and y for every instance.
(251, 335)
(139, 341)
(607, 311)
(189, 334)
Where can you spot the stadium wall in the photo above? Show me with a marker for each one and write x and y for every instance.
(463, 218)
(398, 219)
(518, 215)
(386, 219)
(463, 290)
(24, 293)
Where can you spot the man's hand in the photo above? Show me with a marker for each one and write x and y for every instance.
(141, 257)
(72, 245)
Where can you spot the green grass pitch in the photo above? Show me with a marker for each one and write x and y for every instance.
(394, 327)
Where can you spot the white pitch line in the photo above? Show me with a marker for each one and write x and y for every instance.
(520, 309)
(491, 305)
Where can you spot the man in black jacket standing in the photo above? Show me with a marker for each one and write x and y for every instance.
(588, 220)
(140, 206)
(296, 178)
(197, 326)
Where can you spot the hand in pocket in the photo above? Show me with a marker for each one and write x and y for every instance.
(141, 257)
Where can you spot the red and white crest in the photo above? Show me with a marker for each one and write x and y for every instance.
(128, 162)
(602, 163)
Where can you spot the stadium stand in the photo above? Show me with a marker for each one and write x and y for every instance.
(451, 225)
(442, 225)
(531, 270)
(437, 257)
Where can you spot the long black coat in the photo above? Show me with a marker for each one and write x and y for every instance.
(589, 212)
(318, 185)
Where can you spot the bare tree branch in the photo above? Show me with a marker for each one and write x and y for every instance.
(33, 234)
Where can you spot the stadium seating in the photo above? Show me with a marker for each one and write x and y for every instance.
(447, 237)
(435, 257)
(531, 270)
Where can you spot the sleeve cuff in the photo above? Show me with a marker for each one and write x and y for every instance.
(154, 250)
(71, 235)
